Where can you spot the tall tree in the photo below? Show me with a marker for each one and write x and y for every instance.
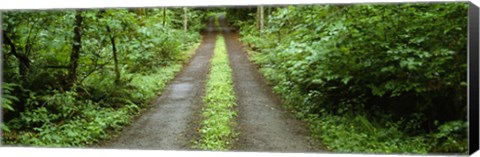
(24, 61)
(260, 18)
(114, 51)
(111, 36)
(164, 15)
(76, 46)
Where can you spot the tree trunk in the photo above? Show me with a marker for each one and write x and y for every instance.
(164, 15)
(76, 46)
(260, 18)
(185, 26)
(24, 61)
(114, 48)
(115, 59)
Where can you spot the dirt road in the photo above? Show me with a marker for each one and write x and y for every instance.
(262, 124)
(170, 123)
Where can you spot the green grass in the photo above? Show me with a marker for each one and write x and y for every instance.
(217, 127)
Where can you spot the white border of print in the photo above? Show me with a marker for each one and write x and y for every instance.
(77, 152)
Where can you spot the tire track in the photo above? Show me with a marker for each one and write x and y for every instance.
(171, 121)
(262, 124)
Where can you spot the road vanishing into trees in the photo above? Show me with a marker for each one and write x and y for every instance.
(172, 122)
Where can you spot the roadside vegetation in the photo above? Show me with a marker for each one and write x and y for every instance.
(73, 78)
(375, 78)
(217, 128)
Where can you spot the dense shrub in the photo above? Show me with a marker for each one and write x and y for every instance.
(402, 66)
(126, 57)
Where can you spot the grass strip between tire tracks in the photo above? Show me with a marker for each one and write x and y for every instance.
(217, 126)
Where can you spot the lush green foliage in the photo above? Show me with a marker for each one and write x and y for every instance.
(238, 15)
(81, 122)
(355, 133)
(217, 127)
(370, 78)
(126, 56)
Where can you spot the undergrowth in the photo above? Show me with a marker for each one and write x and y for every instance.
(85, 122)
(368, 90)
(354, 132)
